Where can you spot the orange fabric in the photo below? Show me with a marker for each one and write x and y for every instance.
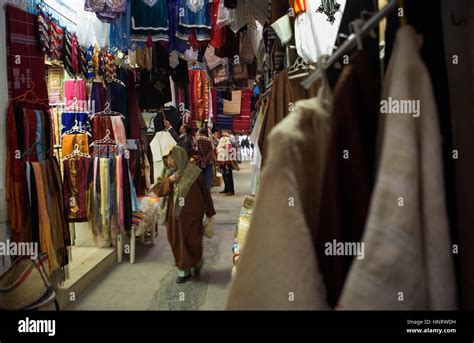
(298, 6)
(46, 240)
(68, 142)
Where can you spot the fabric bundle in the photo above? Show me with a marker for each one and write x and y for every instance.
(54, 232)
(111, 197)
(33, 186)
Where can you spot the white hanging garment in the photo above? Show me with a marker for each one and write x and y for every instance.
(314, 34)
(161, 144)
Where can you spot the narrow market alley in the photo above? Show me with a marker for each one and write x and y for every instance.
(149, 284)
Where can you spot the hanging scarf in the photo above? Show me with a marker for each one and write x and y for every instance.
(189, 174)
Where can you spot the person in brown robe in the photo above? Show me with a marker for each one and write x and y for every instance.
(185, 200)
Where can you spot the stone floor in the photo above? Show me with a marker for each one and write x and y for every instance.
(149, 284)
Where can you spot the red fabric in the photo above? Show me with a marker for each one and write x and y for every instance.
(25, 59)
(218, 34)
(195, 43)
(242, 122)
(215, 101)
(199, 89)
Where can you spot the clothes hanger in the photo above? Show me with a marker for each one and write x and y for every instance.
(31, 151)
(75, 108)
(108, 148)
(299, 69)
(104, 141)
(76, 152)
(118, 81)
(24, 97)
(76, 129)
(351, 41)
(108, 112)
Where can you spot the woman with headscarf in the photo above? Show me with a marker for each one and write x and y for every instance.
(185, 200)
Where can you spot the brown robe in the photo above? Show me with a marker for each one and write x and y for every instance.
(185, 233)
(348, 182)
(284, 94)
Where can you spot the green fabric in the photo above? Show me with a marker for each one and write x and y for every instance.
(189, 174)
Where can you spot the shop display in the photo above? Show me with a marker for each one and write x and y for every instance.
(96, 108)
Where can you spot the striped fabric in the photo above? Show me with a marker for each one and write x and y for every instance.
(298, 6)
(137, 219)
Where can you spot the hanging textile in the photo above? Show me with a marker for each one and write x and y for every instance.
(120, 30)
(98, 97)
(149, 17)
(54, 232)
(351, 157)
(218, 33)
(195, 18)
(233, 106)
(291, 192)
(173, 14)
(29, 139)
(298, 6)
(241, 122)
(310, 43)
(106, 11)
(71, 119)
(22, 40)
(160, 146)
(283, 96)
(68, 142)
(414, 244)
(199, 87)
(75, 89)
(75, 188)
(111, 197)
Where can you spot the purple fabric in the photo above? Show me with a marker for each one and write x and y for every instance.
(174, 42)
(98, 97)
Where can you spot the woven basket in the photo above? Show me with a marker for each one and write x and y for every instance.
(23, 284)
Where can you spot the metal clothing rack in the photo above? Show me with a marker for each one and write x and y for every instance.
(351, 41)
(55, 10)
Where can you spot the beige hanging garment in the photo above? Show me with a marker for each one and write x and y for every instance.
(408, 260)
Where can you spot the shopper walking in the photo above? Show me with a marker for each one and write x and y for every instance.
(185, 201)
(184, 139)
(204, 155)
(224, 161)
